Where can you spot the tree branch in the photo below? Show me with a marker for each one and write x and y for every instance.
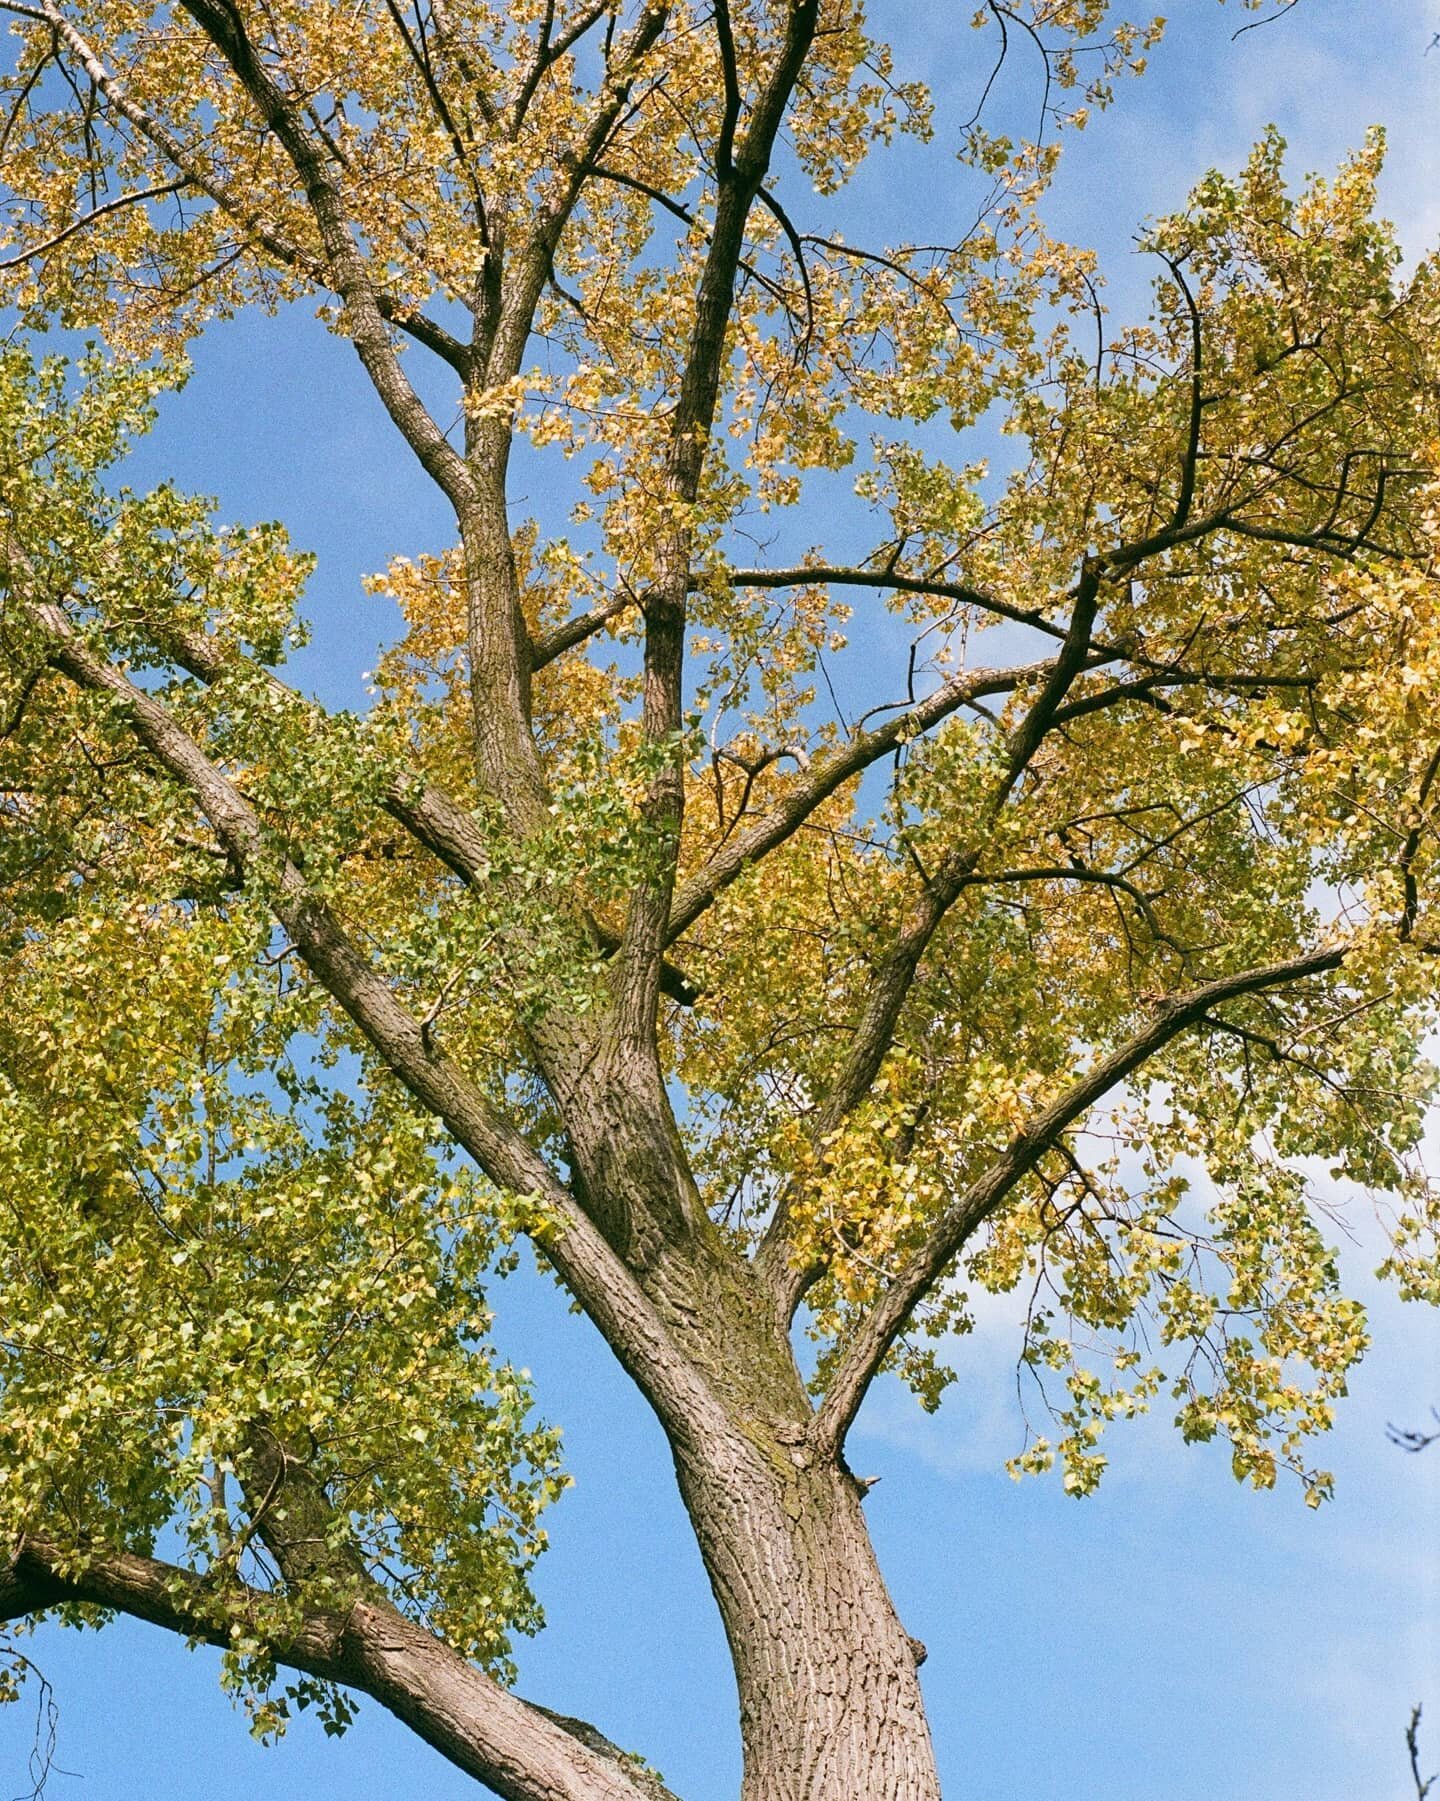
(560, 638)
(538, 259)
(797, 250)
(829, 773)
(521, 1752)
(347, 273)
(447, 37)
(1423, 1784)
(952, 1231)
(894, 975)
(806, 575)
(665, 603)
(677, 210)
(1075, 652)
(548, 51)
(229, 200)
(730, 77)
(96, 212)
(1190, 465)
(1076, 872)
(420, 57)
(500, 653)
(449, 833)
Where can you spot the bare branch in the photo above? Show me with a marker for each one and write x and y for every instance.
(1423, 1784)
(560, 638)
(806, 575)
(1285, 6)
(1413, 1439)
(730, 76)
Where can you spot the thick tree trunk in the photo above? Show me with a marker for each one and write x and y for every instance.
(830, 1704)
(830, 1701)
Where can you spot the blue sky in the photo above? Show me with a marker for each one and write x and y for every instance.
(1174, 1638)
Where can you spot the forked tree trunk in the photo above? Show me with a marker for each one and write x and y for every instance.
(830, 1702)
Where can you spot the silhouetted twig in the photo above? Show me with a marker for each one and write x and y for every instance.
(1414, 1440)
(1423, 1784)
(18, 1669)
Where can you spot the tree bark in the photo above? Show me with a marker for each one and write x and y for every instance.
(516, 1750)
(830, 1704)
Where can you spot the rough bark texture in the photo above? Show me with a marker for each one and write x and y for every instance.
(520, 1752)
(830, 1703)
(830, 1706)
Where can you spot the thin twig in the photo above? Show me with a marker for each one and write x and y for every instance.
(97, 212)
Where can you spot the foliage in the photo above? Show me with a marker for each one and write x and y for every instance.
(222, 1224)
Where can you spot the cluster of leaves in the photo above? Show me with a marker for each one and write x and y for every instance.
(225, 1231)
(1258, 774)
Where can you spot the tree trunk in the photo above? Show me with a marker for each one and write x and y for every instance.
(830, 1705)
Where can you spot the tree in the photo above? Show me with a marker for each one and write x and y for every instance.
(601, 929)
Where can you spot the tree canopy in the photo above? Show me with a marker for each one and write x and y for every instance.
(648, 915)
